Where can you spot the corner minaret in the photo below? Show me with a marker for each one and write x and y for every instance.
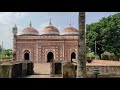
(14, 30)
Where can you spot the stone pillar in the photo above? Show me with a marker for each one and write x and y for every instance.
(81, 67)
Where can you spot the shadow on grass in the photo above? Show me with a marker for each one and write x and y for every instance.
(40, 74)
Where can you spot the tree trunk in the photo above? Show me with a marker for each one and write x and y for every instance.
(81, 67)
(100, 56)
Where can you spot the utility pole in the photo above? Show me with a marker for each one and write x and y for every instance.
(2, 51)
(95, 50)
(81, 64)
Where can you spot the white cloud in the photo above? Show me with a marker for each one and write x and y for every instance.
(7, 20)
(11, 17)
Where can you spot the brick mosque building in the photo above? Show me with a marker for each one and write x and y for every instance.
(47, 46)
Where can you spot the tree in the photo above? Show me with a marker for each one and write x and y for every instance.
(0, 48)
(112, 35)
(107, 34)
(94, 34)
(8, 53)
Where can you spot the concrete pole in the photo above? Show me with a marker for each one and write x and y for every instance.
(81, 65)
(2, 51)
(95, 50)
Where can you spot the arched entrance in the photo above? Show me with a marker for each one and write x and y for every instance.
(73, 56)
(26, 56)
(50, 57)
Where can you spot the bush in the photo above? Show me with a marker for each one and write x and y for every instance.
(104, 57)
(110, 57)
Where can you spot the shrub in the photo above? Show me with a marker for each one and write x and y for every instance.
(110, 57)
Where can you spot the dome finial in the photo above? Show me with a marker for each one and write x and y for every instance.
(30, 24)
(70, 23)
(50, 22)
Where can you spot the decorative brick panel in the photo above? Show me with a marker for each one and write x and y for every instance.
(40, 45)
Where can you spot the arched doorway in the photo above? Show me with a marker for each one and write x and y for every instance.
(50, 57)
(26, 56)
(73, 56)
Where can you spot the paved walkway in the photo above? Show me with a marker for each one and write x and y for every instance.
(43, 68)
(41, 71)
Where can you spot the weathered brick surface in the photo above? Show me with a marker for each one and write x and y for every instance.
(15, 69)
(69, 70)
(105, 67)
(56, 68)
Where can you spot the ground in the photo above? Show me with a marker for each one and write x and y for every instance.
(43, 70)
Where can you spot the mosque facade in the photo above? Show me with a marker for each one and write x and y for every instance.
(49, 45)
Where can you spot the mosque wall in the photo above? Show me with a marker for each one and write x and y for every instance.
(39, 49)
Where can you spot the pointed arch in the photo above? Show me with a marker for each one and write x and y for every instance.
(26, 55)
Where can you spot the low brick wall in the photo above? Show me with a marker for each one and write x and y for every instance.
(14, 69)
(69, 70)
(56, 68)
(4, 61)
(104, 70)
(10, 70)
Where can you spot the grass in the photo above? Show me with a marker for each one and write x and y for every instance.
(40, 74)
(2, 56)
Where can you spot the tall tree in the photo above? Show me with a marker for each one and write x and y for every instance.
(81, 68)
(112, 35)
(94, 34)
(107, 34)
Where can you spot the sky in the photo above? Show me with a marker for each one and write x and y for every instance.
(39, 20)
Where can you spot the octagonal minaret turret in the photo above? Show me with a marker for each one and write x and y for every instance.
(14, 30)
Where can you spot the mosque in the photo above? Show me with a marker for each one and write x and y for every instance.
(49, 45)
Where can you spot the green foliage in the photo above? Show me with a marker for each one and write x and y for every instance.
(0, 48)
(7, 53)
(109, 57)
(94, 34)
(107, 34)
(90, 54)
(112, 35)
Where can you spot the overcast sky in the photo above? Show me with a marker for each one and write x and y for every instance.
(40, 20)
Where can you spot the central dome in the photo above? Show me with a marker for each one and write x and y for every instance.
(50, 30)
